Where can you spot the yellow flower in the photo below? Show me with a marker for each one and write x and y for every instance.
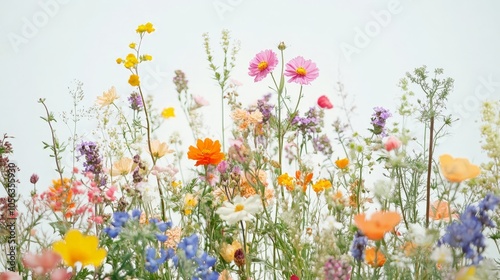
(119, 60)
(321, 185)
(457, 170)
(159, 149)
(123, 167)
(227, 250)
(131, 61)
(190, 202)
(148, 27)
(466, 273)
(132, 45)
(168, 113)
(134, 80)
(77, 247)
(147, 57)
(342, 163)
(287, 181)
(107, 97)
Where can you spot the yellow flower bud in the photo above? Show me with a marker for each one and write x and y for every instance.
(131, 45)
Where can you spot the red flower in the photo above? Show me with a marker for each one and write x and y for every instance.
(294, 277)
(324, 102)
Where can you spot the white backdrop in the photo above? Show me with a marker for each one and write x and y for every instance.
(45, 45)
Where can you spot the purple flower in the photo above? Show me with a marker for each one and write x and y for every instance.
(311, 123)
(337, 270)
(379, 118)
(265, 108)
(34, 178)
(93, 161)
(135, 101)
(322, 144)
(358, 246)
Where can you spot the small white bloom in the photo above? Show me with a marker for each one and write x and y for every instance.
(419, 235)
(242, 209)
(442, 255)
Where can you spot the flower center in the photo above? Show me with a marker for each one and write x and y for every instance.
(262, 65)
(239, 207)
(301, 71)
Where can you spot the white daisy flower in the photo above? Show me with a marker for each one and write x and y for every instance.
(242, 209)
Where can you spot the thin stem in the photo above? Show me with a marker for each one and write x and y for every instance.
(55, 144)
(429, 168)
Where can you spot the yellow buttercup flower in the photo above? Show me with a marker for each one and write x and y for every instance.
(190, 202)
(107, 97)
(286, 181)
(132, 45)
(168, 113)
(321, 185)
(77, 247)
(148, 27)
(342, 163)
(119, 60)
(134, 80)
(131, 61)
(147, 57)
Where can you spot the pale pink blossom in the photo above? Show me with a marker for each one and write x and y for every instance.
(392, 143)
(43, 263)
(200, 101)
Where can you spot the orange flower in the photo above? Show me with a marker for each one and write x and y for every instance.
(342, 163)
(287, 181)
(378, 225)
(374, 257)
(439, 210)
(457, 170)
(307, 179)
(60, 197)
(206, 152)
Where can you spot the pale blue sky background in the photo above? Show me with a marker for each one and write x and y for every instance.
(46, 44)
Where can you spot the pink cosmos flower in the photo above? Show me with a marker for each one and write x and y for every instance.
(200, 101)
(262, 64)
(301, 71)
(324, 102)
(392, 143)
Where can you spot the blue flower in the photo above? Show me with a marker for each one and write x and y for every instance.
(136, 214)
(205, 263)
(161, 237)
(189, 245)
(120, 218)
(358, 246)
(152, 264)
(112, 231)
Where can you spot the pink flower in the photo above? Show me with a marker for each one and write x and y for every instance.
(200, 101)
(9, 275)
(262, 64)
(43, 263)
(60, 274)
(110, 193)
(392, 143)
(324, 102)
(301, 71)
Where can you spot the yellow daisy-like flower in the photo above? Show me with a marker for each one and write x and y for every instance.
(342, 163)
(168, 113)
(286, 181)
(134, 80)
(77, 247)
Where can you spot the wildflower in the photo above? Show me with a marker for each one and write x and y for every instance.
(336, 269)
(307, 179)
(442, 255)
(206, 152)
(42, 263)
(168, 113)
(148, 27)
(466, 273)
(60, 196)
(174, 236)
(77, 247)
(180, 81)
(240, 210)
(205, 265)
(93, 160)
(374, 257)
(108, 97)
(294, 277)
(378, 224)
(134, 80)
(225, 275)
(123, 167)
(301, 71)
(324, 102)
(322, 144)
(265, 108)
(311, 123)
(358, 246)
(34, 178)
(10, 275)
(321, 185)
(227, 250)
(152, 263)
(130, 61)
(439, 210)
(262, 64)
(159, 149)
(132, 45)
(392, 143)
(379, 119)
(189, 245)
(135, 101)
(146, 57)
(200, 101)
(457, 170)
(239, 257)
(342, 163)
(287, 181)
(190, 203)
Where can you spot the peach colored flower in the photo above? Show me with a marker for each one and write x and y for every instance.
(374, 257)
(440, 210)
(457, 170)
(378, 224)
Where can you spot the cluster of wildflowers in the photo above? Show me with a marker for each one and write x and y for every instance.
(467, 233)
(378, 120)
(193, 262)
(93, 161)
(337, 270)
(311, 123)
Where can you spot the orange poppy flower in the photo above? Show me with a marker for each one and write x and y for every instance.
(342, 163)
(457, 170)
(60, 197)
(307, 179)
(206, 152)
(439, 210)
(378, 225)
(374, 257)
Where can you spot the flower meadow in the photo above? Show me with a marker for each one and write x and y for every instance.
(280, 193)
